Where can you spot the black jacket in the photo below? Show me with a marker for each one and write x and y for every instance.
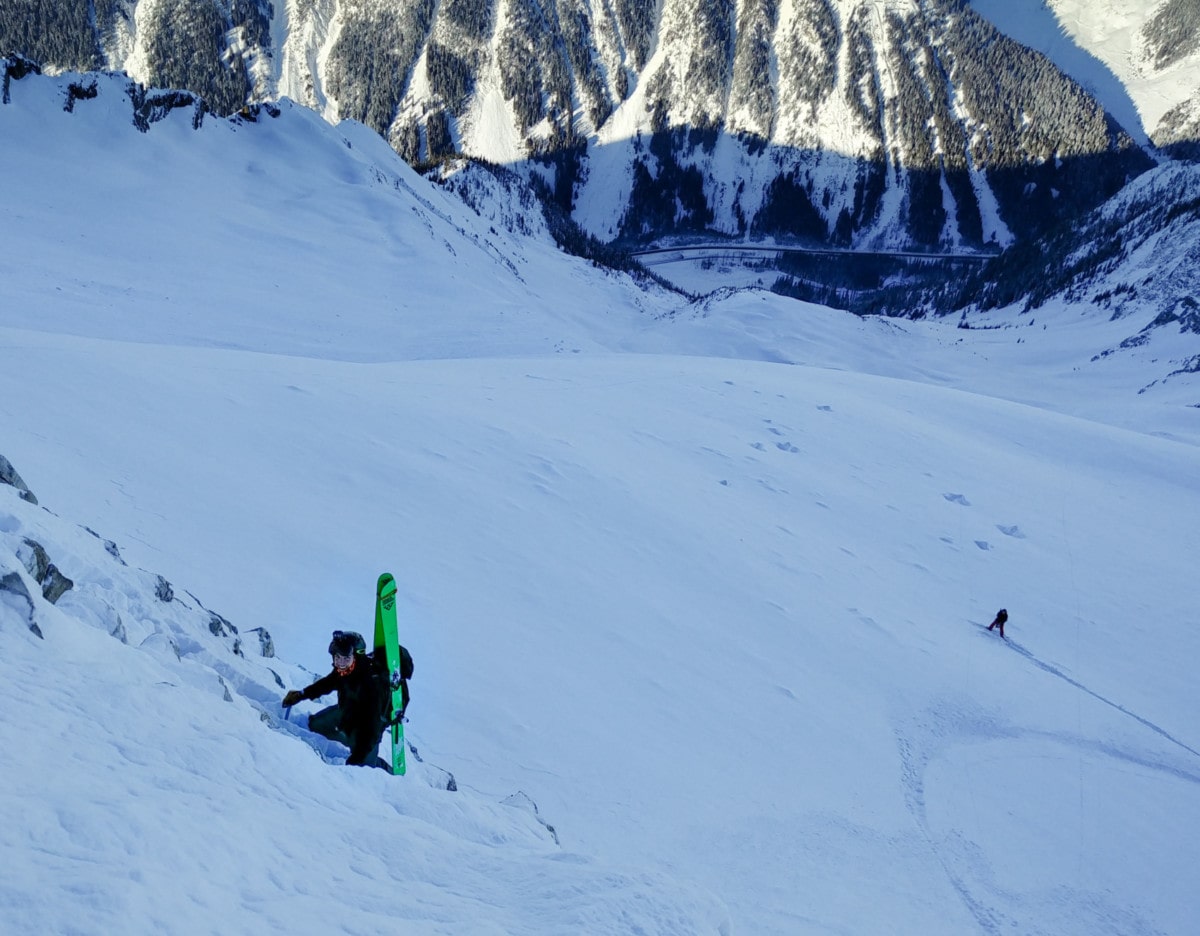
(358, 696)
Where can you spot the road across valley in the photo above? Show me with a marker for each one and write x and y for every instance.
(655, 256)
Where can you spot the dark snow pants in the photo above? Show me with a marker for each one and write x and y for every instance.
(363, 743)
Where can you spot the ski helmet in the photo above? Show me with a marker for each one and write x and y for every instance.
(345, 643)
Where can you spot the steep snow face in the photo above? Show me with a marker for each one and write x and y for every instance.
(150, 758)
(892, 124)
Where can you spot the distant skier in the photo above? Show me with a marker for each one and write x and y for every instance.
(1001, 617)
(357, 720)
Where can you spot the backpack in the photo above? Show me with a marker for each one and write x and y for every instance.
(379, 670)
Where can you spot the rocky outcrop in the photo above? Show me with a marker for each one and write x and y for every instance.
(35, 560)
(55, 584)
(14, 68)
(14, 595)
(8, 475)
(147, 606)
(37, 563)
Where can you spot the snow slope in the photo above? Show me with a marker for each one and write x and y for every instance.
(707, 583)
(407, 244)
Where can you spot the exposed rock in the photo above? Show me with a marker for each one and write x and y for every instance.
(35, 560)
(219, 627)
(8, 475)
(163, 590)
(250, 112)
(78, 91)
(55, 585)
(15, 67)
(109, 546)
(266, 646)
(15, 595)
(152, 106)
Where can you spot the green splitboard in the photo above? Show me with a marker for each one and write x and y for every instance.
(388, 640)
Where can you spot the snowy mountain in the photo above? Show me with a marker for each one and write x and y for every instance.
(1138, 252)
(697, 591)
(908, 123)
(1139, 59)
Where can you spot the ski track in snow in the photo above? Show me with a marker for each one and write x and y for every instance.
(1055, 671)
(949, 725)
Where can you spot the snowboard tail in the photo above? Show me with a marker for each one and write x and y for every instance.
(388, 640)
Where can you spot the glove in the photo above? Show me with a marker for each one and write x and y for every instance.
(292, 698)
